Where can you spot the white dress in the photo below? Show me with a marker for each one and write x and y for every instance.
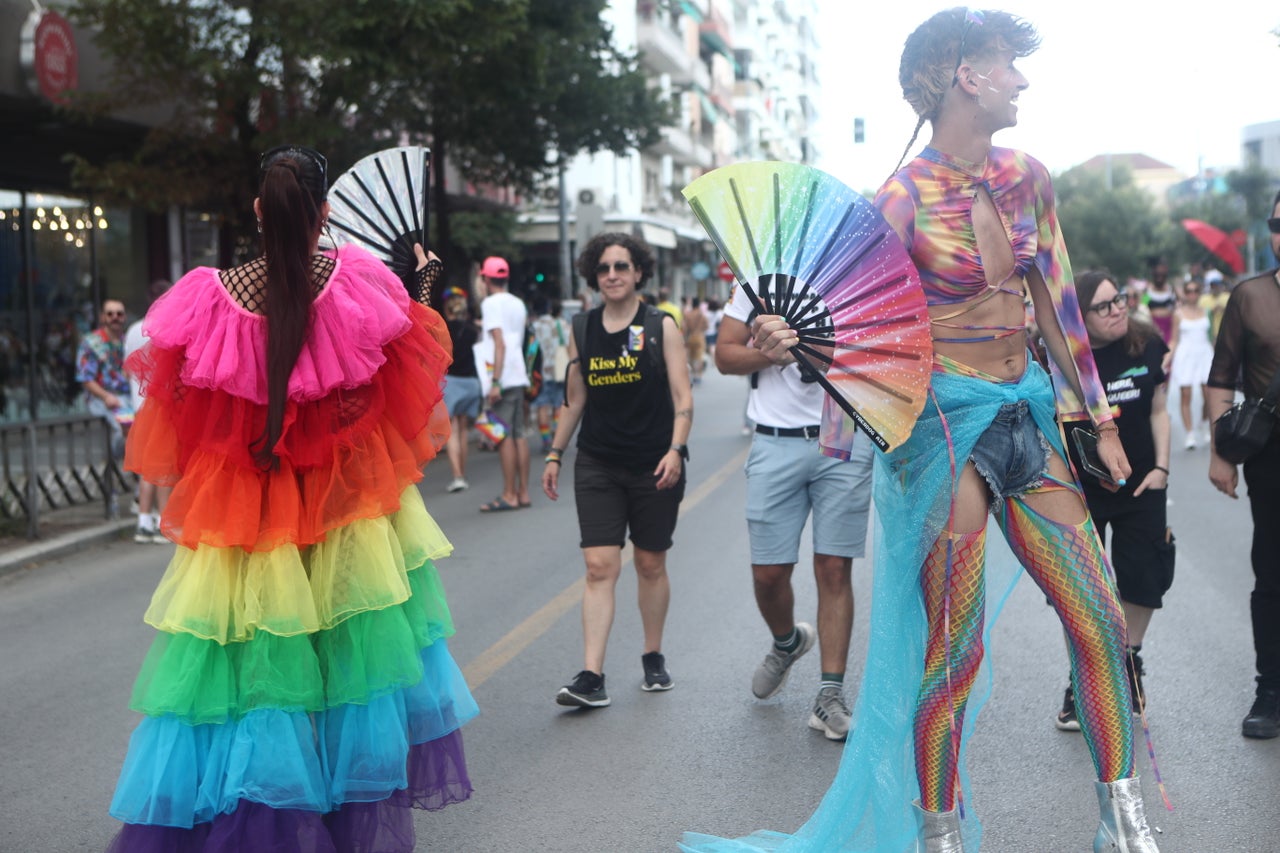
(1194, 355)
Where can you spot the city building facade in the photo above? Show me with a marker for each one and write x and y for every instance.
(742, 77)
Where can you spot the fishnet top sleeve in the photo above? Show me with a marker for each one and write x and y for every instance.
(1247, 349)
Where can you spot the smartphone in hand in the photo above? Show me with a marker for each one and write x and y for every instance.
(1087, 443)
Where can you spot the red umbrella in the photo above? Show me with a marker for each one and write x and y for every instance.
(1216, 241)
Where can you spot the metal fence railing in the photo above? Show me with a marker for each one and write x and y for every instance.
(57, 463)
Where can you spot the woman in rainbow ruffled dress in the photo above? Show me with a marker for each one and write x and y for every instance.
(299, 695)
(979, 223)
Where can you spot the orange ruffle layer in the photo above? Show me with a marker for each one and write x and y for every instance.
(343, 457)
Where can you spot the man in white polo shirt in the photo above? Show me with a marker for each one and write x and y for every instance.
(788, 478)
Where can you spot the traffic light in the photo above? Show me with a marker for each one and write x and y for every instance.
(859, 130)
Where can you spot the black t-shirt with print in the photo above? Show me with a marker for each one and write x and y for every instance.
(1130, 383)
(629, 414)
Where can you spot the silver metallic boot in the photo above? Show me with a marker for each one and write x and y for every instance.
(939, 831)
(1124, 822)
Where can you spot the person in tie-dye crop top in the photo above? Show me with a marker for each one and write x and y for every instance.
(979, 223)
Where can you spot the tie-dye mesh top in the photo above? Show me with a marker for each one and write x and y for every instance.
(929, 203)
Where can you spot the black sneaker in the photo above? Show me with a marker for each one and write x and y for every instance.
(587, 691)
(1067, 721)
(655, 672)
(1263, 721)
(1133, 666)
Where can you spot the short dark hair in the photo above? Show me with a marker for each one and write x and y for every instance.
(641, 256)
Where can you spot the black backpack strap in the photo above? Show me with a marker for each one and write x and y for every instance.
(653, 338)
(579, 331)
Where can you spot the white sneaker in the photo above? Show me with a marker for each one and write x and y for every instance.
(1191, 441)
(144, 534)
(457, 484)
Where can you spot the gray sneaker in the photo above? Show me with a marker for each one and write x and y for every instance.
(830, 714)
(771, 674)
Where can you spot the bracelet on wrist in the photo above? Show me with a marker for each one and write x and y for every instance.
(1109, 426)
(555, 459)
(1160, 468)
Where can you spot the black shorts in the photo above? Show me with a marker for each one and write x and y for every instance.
(611, 499)
(1142, 546)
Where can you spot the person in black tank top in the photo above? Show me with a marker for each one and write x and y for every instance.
(636, 412)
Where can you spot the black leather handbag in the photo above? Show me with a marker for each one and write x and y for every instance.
(1246, 427)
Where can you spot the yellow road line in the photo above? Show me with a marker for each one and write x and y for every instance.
(519, 638)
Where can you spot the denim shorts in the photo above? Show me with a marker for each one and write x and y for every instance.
(1012, 455)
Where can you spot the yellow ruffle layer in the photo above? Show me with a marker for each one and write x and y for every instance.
(228, 594)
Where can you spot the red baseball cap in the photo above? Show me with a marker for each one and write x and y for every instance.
(495, 267)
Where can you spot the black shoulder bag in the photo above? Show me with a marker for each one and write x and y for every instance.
(1246, 427)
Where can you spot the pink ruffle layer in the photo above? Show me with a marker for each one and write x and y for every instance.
(363, 307)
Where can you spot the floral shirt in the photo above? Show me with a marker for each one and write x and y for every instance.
(101, 360)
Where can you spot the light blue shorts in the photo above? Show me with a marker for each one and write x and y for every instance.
(787, 478)
(462, 396)
(551, 394)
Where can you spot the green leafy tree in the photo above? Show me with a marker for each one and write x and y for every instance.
(231, 79)
(1117, 228)
(492, 86)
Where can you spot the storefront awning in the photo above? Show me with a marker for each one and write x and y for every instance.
(657, 236)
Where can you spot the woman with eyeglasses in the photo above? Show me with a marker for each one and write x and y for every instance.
(300, 694)
(980, 224)
(1192, 351)
(628, 386)
(1130, 355)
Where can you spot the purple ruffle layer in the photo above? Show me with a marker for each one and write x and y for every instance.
(437, 778)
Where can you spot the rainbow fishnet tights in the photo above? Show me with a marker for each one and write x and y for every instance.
(955, 635)
(1067, 562)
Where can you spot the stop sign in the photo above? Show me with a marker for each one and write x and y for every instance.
(725, 271)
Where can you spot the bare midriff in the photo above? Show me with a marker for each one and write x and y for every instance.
(988, 333)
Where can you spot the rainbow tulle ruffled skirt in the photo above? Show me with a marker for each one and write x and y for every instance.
(298, 699)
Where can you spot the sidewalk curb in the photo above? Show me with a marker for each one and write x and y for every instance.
(43, 550)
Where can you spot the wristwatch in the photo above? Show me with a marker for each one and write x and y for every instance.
(683, 450)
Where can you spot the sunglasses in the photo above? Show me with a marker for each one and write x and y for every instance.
(971, 17)
(618, 266)
(1273, 225)
(315, 157)
(1104, 309)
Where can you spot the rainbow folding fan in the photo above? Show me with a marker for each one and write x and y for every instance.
(805, 246)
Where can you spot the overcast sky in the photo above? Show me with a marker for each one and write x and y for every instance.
(1175, 81)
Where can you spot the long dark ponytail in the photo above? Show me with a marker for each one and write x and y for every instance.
(293, 189)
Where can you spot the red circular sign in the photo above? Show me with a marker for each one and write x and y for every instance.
(55, 62)
(725, 271)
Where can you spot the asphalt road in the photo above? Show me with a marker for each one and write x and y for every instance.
(704, 756)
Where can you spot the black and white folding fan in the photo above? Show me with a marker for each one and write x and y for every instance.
(381, 204)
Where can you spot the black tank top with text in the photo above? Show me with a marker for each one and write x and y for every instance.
(628, 417)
